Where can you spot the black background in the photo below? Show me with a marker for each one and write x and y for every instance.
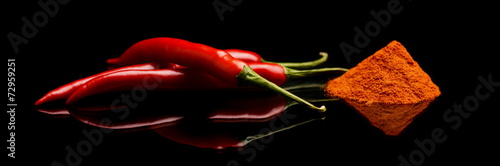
(453, 42)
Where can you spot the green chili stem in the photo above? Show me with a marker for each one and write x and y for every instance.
(304, 86)
(303, 65)
(259, 136)
(292, 103)
(292, 73)
(250, 77)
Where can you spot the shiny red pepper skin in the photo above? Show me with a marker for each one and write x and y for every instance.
(244, 55)
(170, 79)
(270, 71)
(215, 62)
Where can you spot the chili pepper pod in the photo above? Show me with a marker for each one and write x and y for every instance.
(184, 79)
(193, 55)
(63, 92)
(253, 57)
(215, 62)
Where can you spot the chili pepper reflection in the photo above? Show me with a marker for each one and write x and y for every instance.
(217, 109)
(223, 121)
(217, 135)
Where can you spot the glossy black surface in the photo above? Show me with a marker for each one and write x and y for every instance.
(455, 43)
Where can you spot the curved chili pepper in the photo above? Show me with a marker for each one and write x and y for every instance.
(167, 79)
(184, 79)
(63, 92)
(250, 56)
(215, 62)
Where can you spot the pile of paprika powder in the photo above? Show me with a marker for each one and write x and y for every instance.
(389, 88)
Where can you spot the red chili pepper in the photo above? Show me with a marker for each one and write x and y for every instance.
(183, 79)
(250, 56)
(65, 91)
(215, 62)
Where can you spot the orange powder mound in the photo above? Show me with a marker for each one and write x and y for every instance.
(389, 88)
